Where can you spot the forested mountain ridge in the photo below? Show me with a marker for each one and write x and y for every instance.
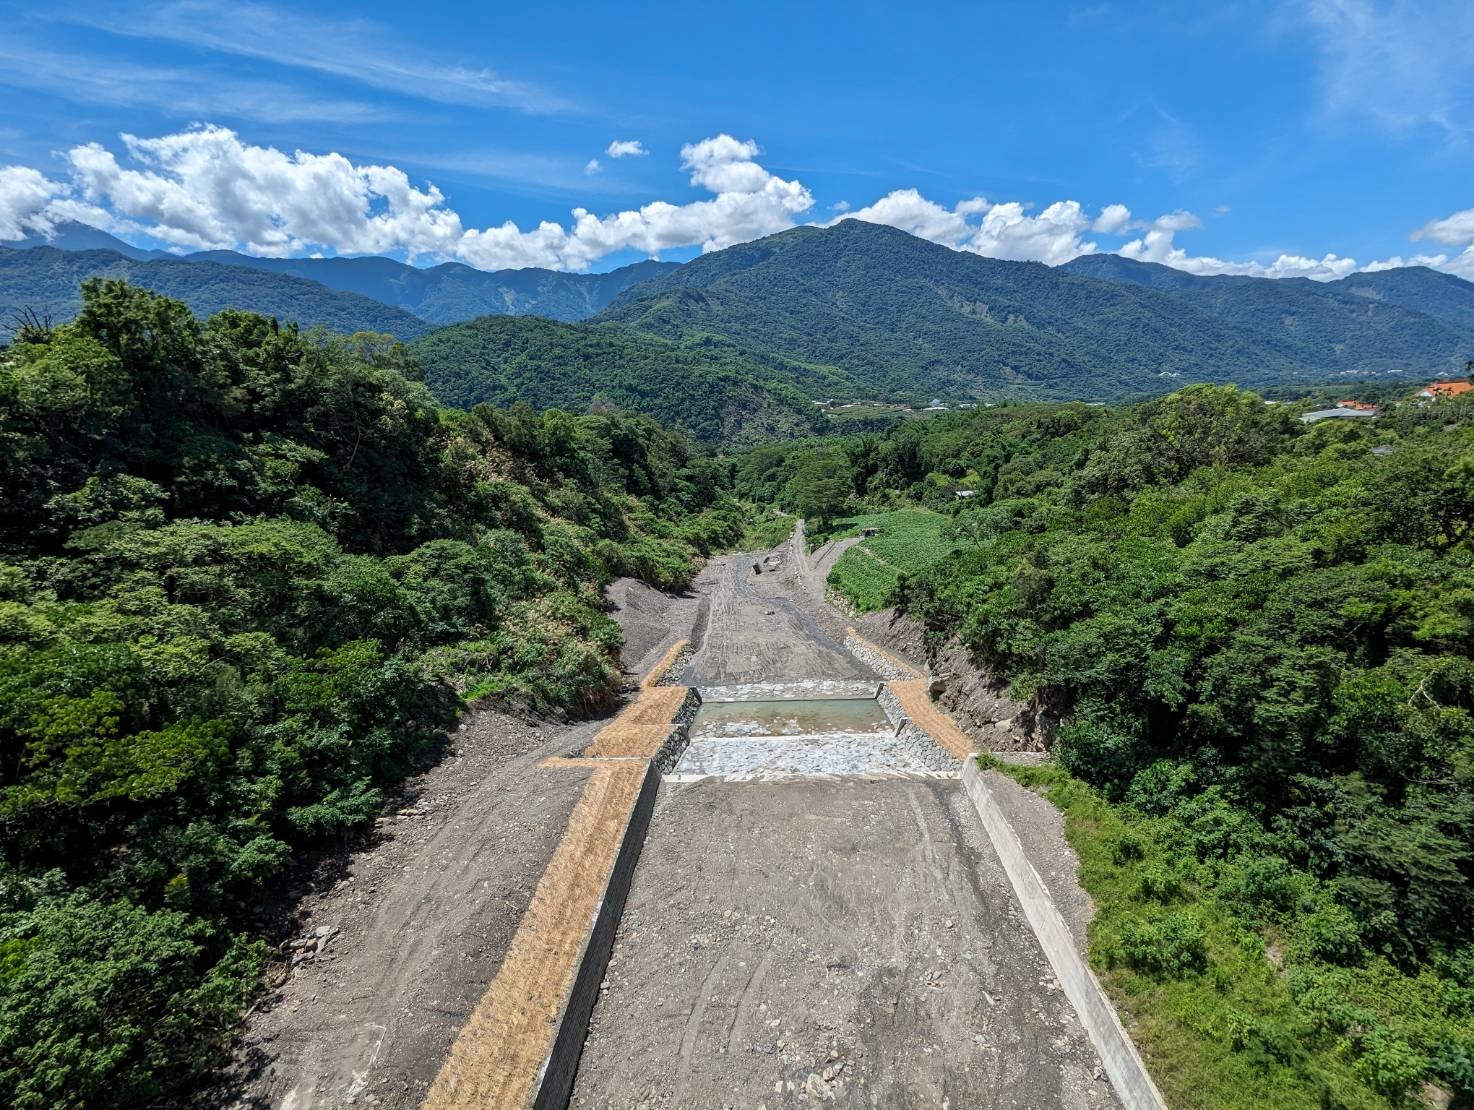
(886, 311)
(47, 281)
(714, 395)
(452, 292)
(72, 235)
(246, 577)
(443, 294)
(1365, 323)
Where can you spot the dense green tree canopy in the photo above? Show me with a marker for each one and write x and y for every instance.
(246, 577)
(1258, 637)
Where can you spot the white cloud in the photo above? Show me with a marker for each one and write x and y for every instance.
(1053, 236)
(908, 210)
(207, 188)
(626, 148)
(1456, 230)
(1157, 245)
(592, 166)
(1114, 219)
(1403, 63)
(25, 195)
(975, 224)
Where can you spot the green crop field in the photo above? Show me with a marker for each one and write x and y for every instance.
(909, 540)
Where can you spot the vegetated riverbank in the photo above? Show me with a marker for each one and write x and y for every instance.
(248, 578)
(1258, 637)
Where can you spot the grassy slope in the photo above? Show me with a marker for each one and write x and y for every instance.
(867, 573)
(1232, 1036)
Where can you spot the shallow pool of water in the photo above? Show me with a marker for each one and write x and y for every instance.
(788, 718)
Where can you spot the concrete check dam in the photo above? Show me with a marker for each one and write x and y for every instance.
(776, 878)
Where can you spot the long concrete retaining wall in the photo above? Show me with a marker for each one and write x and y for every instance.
(1123, 1064)
(555, 1079)
(521, 1045)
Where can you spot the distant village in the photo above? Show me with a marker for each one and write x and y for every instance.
(1349, 409)
(1363, 410)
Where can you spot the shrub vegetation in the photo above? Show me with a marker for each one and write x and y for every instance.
(1258, 636)
(246, 578)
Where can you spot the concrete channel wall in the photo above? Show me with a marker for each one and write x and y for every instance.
(1123, 1064)
(555, 1079)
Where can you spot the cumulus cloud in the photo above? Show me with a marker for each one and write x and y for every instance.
(207, 188)
(1456, 230)
(25, 196)
(626, 148)
(1005, 230)
(1114, 219)
(1157, 245)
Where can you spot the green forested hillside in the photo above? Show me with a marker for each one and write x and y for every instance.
(882, 311)
(245, 578)
(1257, 636)
(46, 281)
(714, 395)
(1371, 323)
(451, 292)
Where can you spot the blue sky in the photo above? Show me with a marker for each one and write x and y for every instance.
(1299, 137)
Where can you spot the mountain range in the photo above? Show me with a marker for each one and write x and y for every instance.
(866, 308)
(443, 294)
(735, 344)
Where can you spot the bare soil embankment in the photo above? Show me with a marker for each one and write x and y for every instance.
(423, 916)
(978, 701)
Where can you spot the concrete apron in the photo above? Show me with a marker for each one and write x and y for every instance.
(913, 713)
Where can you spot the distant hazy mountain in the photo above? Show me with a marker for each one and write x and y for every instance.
(451, 292)
(715, 395)
(441, 294)
(871, 309)
(48, 280)
(69, 235)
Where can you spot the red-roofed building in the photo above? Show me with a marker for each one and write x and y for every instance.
(1357, 406)
(1439, 391)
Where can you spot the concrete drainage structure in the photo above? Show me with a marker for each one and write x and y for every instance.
(764, 732)
(522, 1045)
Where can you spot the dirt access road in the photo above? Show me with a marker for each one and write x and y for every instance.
(784, 944)
(845, 939)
